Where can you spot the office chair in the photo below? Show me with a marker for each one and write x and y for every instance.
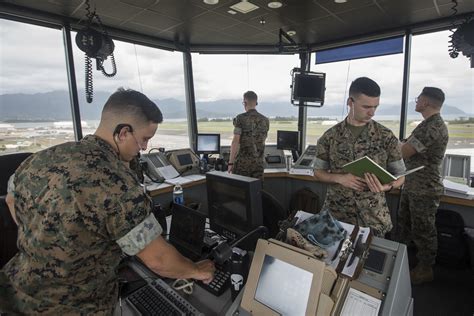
(8, 229)
(273, 212)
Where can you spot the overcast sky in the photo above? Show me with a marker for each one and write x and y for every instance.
(32, 61)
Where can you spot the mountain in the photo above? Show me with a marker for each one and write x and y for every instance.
(54, 106)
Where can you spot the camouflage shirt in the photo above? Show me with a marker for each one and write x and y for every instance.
(429, 139)
(76, 204)
(337, 147)
(253, 129)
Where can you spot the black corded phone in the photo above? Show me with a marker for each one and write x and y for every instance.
(98, 45)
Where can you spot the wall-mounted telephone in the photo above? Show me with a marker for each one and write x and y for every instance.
(158, 166)
(184, 160)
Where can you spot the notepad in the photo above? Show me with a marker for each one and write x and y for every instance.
(366, 165)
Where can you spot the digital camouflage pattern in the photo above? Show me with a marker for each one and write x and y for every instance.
(253, 129)
(430, 139)
(73, 202)
(423, 189)
(337, 147)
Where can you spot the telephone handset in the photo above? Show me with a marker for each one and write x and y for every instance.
(156, 163)
(98, 45)
(307, 159)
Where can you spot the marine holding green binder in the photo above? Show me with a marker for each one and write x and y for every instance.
(366, 165)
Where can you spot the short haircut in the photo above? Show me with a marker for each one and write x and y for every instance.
(250, 95)
(364, 85)
(434, 93)
(134, 104)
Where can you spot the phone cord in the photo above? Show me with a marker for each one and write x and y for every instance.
(89, 86)
(114, 67)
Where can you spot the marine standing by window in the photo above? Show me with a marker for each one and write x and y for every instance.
(248, 144)
(422, 191)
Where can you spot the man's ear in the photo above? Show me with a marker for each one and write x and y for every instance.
(121, 129)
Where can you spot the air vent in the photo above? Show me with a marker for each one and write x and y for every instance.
(244, 7)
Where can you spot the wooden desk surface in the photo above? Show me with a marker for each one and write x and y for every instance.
(282, 174)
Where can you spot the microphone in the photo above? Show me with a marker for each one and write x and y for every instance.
(222, 252)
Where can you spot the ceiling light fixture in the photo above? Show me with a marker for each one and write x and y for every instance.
(211, 1)
(275, 4)
(231, 12)
(340, 1)
(291, 33)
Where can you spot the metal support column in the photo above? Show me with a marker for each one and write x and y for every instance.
(190, 100)
(302, 110)
(406, 83)
(71, 76)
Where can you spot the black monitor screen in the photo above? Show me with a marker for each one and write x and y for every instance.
(208, 143)
(309, 87)
(185, 159)
(287, 140)
(187, 229)
(235, 204)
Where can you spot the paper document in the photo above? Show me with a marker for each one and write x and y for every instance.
(168, 172)
(179, 180)
(358, 303)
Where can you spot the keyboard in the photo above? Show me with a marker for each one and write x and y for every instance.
(158, 298)
(220, 283)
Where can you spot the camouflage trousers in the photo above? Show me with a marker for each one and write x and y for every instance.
(417, 223)
(248, 168)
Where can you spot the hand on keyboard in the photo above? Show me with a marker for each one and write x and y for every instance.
(204, 271)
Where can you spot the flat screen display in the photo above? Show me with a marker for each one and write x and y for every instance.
(287, 140)
(208, 143)
(309, 87)
(283, 287)
(185, 159)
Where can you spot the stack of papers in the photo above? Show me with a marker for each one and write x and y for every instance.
(459, 190)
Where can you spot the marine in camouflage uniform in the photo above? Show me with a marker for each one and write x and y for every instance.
(359, 200)
(68, 250)
(423, 189)
(79, 207)
(337, 147)
(252, 129)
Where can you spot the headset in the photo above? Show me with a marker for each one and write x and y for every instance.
(119, 127)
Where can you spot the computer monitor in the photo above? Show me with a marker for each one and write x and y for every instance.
(234, 203)
(208, 144)
(283, 281)
(457, 166)
(289, 140)
(308, 87)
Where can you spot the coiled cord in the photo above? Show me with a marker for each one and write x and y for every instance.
(452, 50)
(88, 76)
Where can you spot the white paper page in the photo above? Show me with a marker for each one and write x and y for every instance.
(168, 172)
(179, 180)
(358, 303)
(196, 177)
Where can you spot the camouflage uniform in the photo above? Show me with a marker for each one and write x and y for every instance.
(423, 189)
(78, 206)
(337, 147)
(252, 128)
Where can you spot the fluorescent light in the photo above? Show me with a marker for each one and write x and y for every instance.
(275, 4)
(340, 1)
(211, 1)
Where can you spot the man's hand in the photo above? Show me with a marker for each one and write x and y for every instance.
(229, 168)
(351, 181)
(374, 184)
(204, 271)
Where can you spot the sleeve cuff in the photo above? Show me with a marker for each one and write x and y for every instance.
(140, 236)
(321, 164)
(396, 167)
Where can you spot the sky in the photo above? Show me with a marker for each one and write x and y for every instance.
(32, 61)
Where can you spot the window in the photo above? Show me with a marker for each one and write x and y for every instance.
(432, 66)
(339, 76)
(156, 73)
(221, 80)
(35, 111)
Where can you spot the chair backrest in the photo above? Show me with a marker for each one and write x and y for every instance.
(273, 212)
(9, 163)
(305, 200)
(8, 229)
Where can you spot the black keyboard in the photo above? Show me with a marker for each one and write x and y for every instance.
(220, 283)
(158, 298)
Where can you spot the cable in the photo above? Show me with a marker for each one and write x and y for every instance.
(183, 284)
(88, 77)
(452, 50)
